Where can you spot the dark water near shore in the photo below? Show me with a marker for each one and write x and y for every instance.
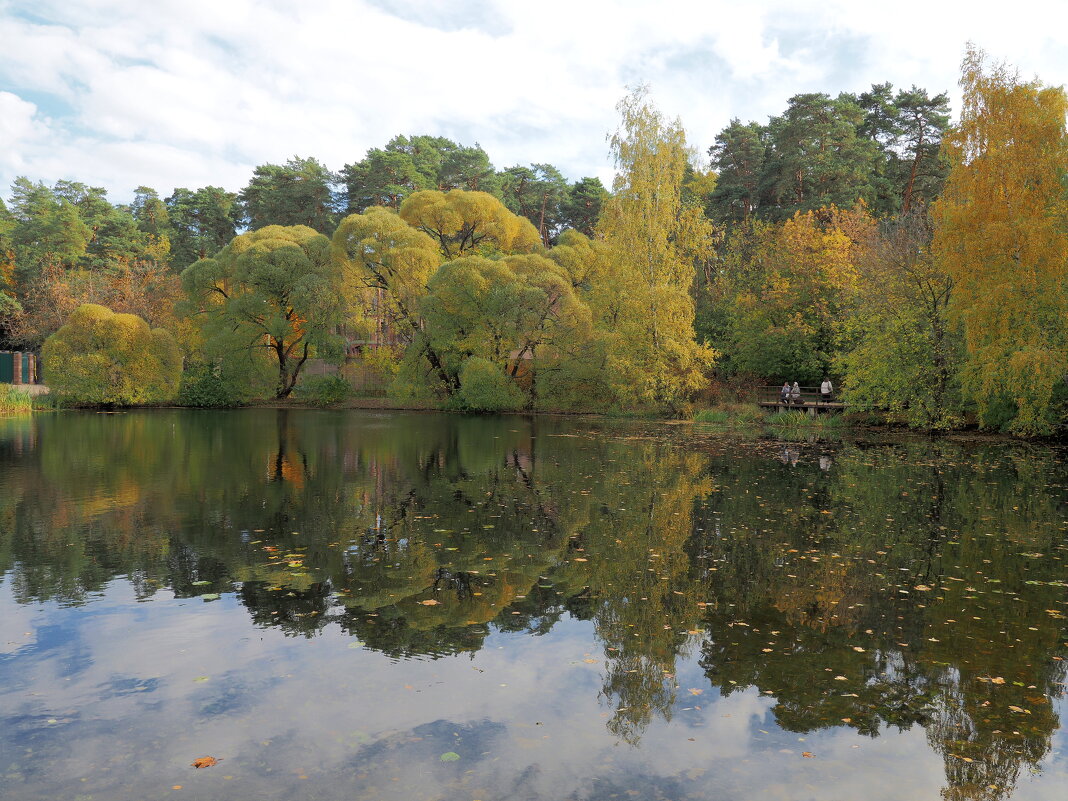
(357, 605)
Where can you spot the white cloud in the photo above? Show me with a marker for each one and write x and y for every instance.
(196, 92)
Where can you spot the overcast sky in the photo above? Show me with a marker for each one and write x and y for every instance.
(167, 93)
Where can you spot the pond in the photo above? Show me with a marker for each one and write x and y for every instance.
(370, 605)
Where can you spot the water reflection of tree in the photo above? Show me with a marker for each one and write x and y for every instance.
(889, 591)
(898, 595)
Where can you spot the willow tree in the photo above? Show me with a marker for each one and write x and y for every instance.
(466, 223)
(276, 290)
(644, 302)
(1001, 235)
(381, 254)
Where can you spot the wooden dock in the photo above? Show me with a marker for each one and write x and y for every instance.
(810, 401)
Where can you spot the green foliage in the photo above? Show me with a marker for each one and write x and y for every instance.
(386, 177)
(201, 223)
(324, 390)
(103, 358)
(537, 192)
(895, 368)
(276, 289)
(582, 208)
(485, 388)
(788, 291)
(206, 386)
(299, 192)
(520, 313)
(877, 147)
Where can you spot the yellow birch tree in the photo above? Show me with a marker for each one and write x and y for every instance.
(644, 301)
(1001, 232)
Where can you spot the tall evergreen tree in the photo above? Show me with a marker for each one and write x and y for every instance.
(299, 192)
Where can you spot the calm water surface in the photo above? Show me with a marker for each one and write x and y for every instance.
(354, 605)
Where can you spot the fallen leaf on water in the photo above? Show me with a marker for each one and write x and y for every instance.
(922, 588)
(997, 680)
(695, 691)
(808, 755)
(430, 603)
(205, 762)
(590, 661)
(450, 756)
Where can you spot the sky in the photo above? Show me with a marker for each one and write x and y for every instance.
(168, 93)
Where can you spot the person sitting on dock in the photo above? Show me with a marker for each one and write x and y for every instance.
(795, 394)
(784, 394)
(826, 389)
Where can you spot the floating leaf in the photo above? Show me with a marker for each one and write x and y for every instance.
(808, 755)
(210, 596)
(431, 602)
(205, 762)
(450, 756)
(201, 583)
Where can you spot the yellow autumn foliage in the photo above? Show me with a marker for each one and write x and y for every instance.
(1001, 232)
(100, 357)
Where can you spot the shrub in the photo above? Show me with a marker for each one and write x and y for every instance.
(204, 387)
(324, 390)
(485, 388)
(103, 358)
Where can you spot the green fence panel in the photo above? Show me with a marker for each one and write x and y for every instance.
(7, 367)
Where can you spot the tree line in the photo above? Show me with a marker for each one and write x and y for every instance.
(921, 264)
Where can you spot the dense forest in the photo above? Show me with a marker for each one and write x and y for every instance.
(922, 265)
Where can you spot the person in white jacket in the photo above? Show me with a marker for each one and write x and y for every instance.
(826, 389)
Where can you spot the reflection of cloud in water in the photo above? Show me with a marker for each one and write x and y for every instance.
(17, 624)
(356, 723)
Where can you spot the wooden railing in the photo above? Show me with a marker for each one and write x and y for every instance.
(810, 396)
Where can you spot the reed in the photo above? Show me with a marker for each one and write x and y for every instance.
(14, 400)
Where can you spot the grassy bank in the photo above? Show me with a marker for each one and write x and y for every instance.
(782, 424)
(14, 400)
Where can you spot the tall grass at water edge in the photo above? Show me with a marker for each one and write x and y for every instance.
(732, 414)
(14, 400)
(799, 425)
